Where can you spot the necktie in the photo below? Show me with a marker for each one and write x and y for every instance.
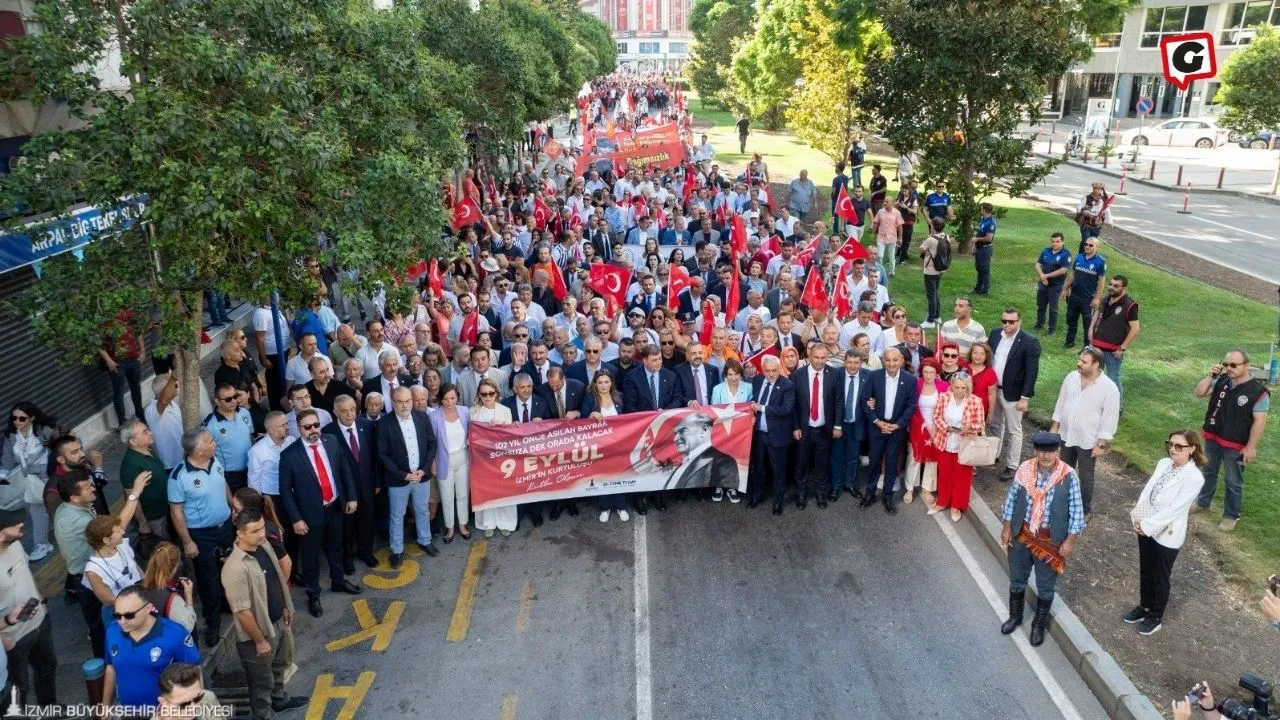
(524, 411)
(326, 485)
(653, 387)
(542, 373)
(697, 384)
(850, 397)
(560, 404)
(813, 398)
(648, 301)
(764, 400)
(355, 447)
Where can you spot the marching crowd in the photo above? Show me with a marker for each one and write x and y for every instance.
(640, 290)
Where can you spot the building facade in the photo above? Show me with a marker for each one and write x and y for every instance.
(1126, 63)
(650, 34)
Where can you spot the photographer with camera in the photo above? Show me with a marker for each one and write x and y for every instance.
(1201, 697)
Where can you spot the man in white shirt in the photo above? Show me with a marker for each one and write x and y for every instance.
(298, 370)
(704, 152)
(863, 324)
(389, 378)
(368, 354)
(1086, 415)
(164, 416)
(873, 285)
(520, 316)
(264, 456)
(299, 400)
(755, 308)
(271, 355)
(568, 317)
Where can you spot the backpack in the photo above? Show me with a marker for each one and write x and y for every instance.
(942, 256)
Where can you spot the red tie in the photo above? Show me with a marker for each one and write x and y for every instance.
(813, 402)
(326, 486)
(355, 447)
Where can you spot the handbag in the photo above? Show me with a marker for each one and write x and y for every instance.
(1142, 511)
(33, 489)
(979, 450)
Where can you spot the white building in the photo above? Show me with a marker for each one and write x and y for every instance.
(650, 34)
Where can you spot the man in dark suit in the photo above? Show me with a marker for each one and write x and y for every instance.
(816, 424)
(692, 297)
(894, 393)
(775, 408)
(847, 452)
(1015, 356)
(527, 406)
(584, 371)
(913, 348)
(355, 433)
(704, 466)
(389, 377)
(649, 297)
(696, 380)
(702, 263)
(724, 275)
(539, 366)
(787, 336)
(406, 447)
(316, 490)
(651, 387)
(599, 237)
(564, 402)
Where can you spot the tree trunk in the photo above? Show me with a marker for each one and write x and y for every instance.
(187, 364)
(964, 244)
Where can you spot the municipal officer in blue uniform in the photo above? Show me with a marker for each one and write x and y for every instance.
(139, 646)
(1051, 274)
(1083, 290)
(983, 248)
(232, 430)
(200, 509)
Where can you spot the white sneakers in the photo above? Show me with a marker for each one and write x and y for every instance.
(40, 552)
(623, 515)
(604, 516)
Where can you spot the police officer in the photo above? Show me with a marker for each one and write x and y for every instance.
(1088, 273)
(200, 508)
(1051, 274)
(140, 645)
(232, 430)
(1233, 425)
(1043, 515)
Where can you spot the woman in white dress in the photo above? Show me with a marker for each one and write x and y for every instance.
(602, 400)
(922, 457)
(450, 423)
(487, 411)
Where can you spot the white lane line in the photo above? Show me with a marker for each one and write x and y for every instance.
(998, 605)
(644, 671)
(1231, 227)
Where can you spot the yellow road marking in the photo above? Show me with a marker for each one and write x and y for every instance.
(351, 696)
(370, 627)
(384, 578)
(467, 593)
(527, 596)
(508, 707)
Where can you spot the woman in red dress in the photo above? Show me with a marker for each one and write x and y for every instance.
(984, 377)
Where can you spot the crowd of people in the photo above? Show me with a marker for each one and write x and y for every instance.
(325, 440)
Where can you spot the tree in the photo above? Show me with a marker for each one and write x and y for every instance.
(1249, 95)
(718, 27)
(765, 68)
(825, 112)
(594, 36)
(957, 85)
(250, 128)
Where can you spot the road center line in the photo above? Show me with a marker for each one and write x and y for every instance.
(1051, 686)
(526, 606)
(508, 707)
(1231, 227)
(644, 679)
(467, 593)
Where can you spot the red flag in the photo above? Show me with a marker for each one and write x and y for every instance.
(804, 258)
(677, 280)
(541, 213)
(492, 187)
(661, 216)
(720, 212)
(416, 271)
(553, 149)
(844, 206)
(435, 279)
(470, 329)
(575, 221)
(843, 297)
(757, 360)
(558, 288)
(738, 236)
(772, 245)
(851, 250)
(640, 206)
(686, 192)
(708, 324)
(610, 281)
(734, 296)
(815, 291)
(465, 212)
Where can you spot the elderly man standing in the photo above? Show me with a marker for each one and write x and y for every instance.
(1086, 415)
(1233, 426)
(347, 345)
(200, 509)
(801, 194)
(406, 449)
(152, 514)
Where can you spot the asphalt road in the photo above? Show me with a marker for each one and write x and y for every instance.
(1235, 232)
(706, 611)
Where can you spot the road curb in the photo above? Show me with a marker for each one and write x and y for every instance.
(1104, 677)
(1272, 199)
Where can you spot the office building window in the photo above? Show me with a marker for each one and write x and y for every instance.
(622, 48)
(1171, 21)
(679, 48)
(649, 48)
(1243, 17)
(1211, 93)
(1100, 84)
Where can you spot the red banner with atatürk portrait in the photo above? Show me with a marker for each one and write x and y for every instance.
(681, 449)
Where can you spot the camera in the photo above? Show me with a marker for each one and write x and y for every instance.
(1233, 709)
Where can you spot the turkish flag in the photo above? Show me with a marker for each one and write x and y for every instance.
(720, 212)
(804, 258)
(708, 324)
(435, 280)
(558, 288)
(843, 297)
(553, 149)
(541, 213)
(677, 280)
(757, 360)
(815, 292)
(738, 235)
(851, 250)
(772, 245)
(465, 212)
(661, 216)
(492, 187)
(640, 206)
(610, 281)
(575, 221)
(734, 295)
(416, 271)
(844, 206)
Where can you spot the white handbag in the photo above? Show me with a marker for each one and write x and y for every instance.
(979, 450)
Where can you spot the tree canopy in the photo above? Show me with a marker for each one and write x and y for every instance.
(1249, 94)
(718, 27)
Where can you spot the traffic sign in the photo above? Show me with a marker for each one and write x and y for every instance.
(1144, 106)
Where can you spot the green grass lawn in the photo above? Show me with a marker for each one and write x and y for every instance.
(1186, 326)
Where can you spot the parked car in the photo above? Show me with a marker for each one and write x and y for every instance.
(1260, 141)
(1179, 132)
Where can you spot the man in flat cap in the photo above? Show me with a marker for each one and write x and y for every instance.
(1043, 515)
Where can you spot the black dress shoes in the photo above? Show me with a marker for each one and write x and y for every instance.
(834, 496)
(889, 507)
(396, 560)
(752, 503)
(641, 506)
(369, 560)
(314, 607)
(867, 501)
(346, 586)
(572, 508)
(857, 494)
(777, 508)
(292, 703)
(659, 504)
(429, 549)
(822, 504)
(349, 567)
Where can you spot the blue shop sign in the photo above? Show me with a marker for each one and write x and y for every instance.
(19, 249)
